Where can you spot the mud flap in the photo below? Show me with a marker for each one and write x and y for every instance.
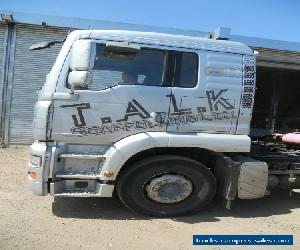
(227, 174)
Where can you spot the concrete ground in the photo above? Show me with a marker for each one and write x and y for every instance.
(33, 222)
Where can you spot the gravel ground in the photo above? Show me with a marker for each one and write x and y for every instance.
(32, 222)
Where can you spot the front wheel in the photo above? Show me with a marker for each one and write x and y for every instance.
(166, 186)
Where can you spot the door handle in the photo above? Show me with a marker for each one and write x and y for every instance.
(156, 118)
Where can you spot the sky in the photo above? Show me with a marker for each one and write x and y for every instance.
(274, 19)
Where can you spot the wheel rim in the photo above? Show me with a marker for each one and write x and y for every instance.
(169, 188)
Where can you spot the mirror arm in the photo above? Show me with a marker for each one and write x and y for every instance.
(72, 90)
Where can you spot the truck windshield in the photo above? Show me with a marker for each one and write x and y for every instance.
(118, 66)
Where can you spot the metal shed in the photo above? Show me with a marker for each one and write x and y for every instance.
(22, 72)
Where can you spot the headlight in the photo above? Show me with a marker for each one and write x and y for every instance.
(36, 160)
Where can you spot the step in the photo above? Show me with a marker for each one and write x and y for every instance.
(84, 156)
(77, 175)
(77, 194)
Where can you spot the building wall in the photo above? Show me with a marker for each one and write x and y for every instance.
(3, 75)
(27, 76)
(2, 35)
(31, 68)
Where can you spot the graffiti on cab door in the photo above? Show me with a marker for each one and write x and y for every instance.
(137, 117)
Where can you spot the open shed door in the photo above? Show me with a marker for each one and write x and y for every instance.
(276, 107)
(273, 58)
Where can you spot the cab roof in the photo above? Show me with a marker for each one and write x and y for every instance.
(163, 39)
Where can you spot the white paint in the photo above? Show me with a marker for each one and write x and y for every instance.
(83, 55)
(40, 119)
(122, 150)
(79, 78)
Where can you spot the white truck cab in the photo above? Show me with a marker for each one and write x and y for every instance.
(162, 120)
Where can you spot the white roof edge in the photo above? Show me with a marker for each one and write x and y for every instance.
(170, 40)
(80, 23)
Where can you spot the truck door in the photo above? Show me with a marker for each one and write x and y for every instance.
(206, 92)
(127, 96)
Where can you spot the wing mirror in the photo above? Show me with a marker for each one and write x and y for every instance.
(82, 62)
(83, 55)
(79, 79)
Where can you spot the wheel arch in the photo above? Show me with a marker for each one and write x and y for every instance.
(202, 155)
(133, 148)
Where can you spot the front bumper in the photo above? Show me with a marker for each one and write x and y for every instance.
(38, 175)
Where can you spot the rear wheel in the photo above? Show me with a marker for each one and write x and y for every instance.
(166, 186)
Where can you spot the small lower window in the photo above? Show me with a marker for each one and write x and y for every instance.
(186, 70)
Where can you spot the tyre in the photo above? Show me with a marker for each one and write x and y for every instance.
(166, 186)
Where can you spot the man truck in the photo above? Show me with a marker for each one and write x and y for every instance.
(165, 122)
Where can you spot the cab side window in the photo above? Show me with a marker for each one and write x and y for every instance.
(121, 66)
(144, 66)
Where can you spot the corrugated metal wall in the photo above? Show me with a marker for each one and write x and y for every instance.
(31, 68)
(2, 90)
(2, 34)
